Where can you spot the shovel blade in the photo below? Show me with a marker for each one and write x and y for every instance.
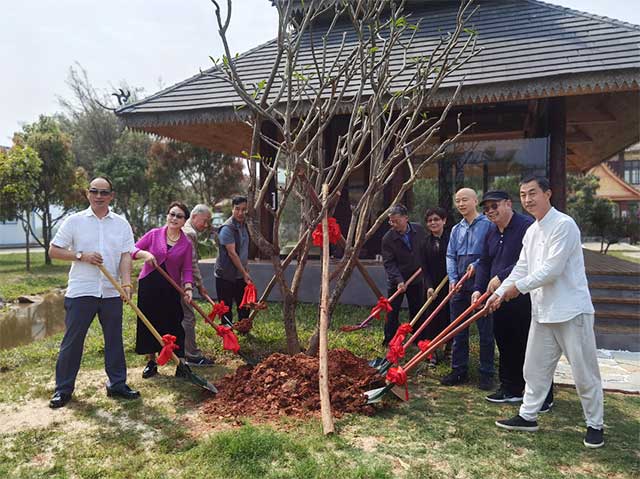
(185, 371)
(377, 362)
(376, 395)
(248, 360)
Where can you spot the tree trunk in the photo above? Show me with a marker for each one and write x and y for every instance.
(291, 330)
(28, 239)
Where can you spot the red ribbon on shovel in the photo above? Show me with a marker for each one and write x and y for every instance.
(249, 296)
(229, 339)
(399, 376)
(423, 346)
(383, 305)
(218, 309)
(396, 349)
(167, 350)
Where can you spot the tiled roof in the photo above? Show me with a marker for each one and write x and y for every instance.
(529, 49)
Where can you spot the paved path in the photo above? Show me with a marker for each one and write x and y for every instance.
(620, 371)
(33, 249)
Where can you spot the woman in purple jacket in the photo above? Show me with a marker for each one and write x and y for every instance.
(170, 249)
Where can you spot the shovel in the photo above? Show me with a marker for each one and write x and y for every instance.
(375, 395)
(379, 363)
(376, 309)
(384, 366)
(182, 367)
(195, 305)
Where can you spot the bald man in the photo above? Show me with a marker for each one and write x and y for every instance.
(465, 249)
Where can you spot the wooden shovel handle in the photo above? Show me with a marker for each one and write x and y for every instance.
(140, 314)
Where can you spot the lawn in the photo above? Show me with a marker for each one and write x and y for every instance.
(42, 278)
(440, 433)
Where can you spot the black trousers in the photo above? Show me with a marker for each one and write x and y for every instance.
(415, 297)
(511, 329)
(230, 292)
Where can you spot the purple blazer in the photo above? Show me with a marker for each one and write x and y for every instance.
(177, 260)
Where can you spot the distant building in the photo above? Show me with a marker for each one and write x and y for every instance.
(620, 180)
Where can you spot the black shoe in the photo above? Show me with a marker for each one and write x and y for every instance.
(546, 407)
(150, 370)
(454, 378)
(59, 400)
(201, 361)
(517, 423)
(594, 438)
(486, 382)
(122, 391)
(502, 396)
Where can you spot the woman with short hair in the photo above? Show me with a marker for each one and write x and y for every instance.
(168, 248)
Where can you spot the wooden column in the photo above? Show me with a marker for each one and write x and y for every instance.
(267, 151)
(558, 152)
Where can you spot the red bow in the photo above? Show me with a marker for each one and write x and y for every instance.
(399, 376)
(396, 349)
(168, 349)
(249, 296)
(229, 339)
(334, 232)
(424, 345)
(219, 309)
(383, 305)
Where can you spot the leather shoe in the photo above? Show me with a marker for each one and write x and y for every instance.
(59, 400)
(150, 370)
(122, 391)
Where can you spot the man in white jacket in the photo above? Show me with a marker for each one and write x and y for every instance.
(551, 269)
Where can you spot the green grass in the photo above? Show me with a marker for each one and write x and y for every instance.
(42, 278)
(440, 433)
(621, 255)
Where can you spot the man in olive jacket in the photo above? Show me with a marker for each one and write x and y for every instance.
(403, 252)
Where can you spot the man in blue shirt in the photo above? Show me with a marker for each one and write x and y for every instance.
(232, 264)
(464, 250)
(511, 322)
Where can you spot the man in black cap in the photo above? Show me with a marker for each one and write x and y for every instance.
(511, 322)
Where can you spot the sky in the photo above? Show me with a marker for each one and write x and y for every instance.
(150, 44)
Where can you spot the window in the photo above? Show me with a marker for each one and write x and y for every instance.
(632, 172)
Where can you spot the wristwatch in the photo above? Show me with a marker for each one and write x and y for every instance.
(79, 255)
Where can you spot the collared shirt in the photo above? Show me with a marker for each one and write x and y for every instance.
(465, 247)
(227, 235)
(192, 234)
(501, 250)
(406, 236)
(551, 268)
(401, 261)
(111, 236)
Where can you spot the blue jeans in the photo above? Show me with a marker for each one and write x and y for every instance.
(79, 316)
(460, 351)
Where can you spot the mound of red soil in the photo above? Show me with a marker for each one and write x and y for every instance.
(243, 326)
(288, 385)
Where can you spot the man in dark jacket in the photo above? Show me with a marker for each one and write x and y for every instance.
(403, 252)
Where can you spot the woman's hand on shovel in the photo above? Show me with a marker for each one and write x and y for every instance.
(148, 258)
(188, 293)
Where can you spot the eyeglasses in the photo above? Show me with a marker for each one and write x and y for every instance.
(176, 215)
(490, 207)
(97, 192)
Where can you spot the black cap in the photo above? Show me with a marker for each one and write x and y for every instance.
(495, 195)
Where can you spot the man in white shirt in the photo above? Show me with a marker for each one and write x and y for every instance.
(551, 269)
(89, 238)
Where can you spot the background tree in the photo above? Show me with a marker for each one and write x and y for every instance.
(358, 76)
(60, 183)
(20, 171)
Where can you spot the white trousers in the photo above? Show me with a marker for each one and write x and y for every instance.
(545, 344)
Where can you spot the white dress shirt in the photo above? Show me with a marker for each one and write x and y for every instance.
(111, 236)
(551, 268)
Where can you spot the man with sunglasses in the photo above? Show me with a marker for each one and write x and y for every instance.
(511, 322)
(95, 236)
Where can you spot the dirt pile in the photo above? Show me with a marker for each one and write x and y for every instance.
(243, 326)
(288, 385)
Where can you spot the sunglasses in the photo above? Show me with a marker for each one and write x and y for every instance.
(176, 215)
(97, 192)
(490, 207)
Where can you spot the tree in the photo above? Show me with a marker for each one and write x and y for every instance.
(60, 182)
(381, 85)
(20, 170)
(211, 176)
(594, 215)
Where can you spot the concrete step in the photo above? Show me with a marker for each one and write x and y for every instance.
(618, 317)
(618, 341)
(622, 331)
(613, 290)
(615, 278)
(605, 306)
